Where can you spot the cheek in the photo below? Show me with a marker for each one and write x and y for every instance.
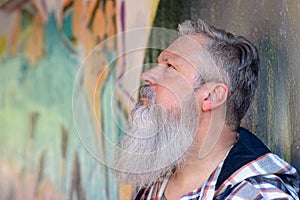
(166, 97)
(170, 95)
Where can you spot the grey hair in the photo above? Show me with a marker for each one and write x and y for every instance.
(238, 61)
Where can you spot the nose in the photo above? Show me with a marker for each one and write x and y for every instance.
(151, 76)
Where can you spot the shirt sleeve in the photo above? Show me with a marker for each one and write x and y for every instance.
(263, 187)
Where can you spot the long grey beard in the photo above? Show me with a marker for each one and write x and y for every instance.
(157, 141)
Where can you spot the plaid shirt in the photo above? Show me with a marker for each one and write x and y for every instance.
(258, 174)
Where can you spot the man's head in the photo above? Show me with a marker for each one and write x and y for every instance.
(204, 77)
(238, 62)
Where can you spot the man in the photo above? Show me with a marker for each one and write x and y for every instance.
(185, 139)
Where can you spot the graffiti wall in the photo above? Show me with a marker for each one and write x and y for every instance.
(60, 63)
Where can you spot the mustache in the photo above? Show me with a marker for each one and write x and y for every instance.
(146, 93)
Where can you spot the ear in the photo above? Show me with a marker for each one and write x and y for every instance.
(215, 95)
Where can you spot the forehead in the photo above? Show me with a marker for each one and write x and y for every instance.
(191, 52)
(185, 45)
(189, 49)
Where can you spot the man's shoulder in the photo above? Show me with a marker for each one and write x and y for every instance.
(267, 176)
(260, 187)
(250, 164)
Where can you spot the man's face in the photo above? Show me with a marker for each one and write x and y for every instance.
(163, 126)
(173, 78)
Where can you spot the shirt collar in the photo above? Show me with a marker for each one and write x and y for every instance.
(246, 149)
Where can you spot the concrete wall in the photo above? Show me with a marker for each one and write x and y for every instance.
(42, 46)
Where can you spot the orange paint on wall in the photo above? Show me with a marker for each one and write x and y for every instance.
(14, 42)
(98, 26)
(34, 46)
(125, 192)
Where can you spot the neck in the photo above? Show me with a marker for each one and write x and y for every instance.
(199, 166)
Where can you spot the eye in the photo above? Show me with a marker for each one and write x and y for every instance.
(170, 66)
